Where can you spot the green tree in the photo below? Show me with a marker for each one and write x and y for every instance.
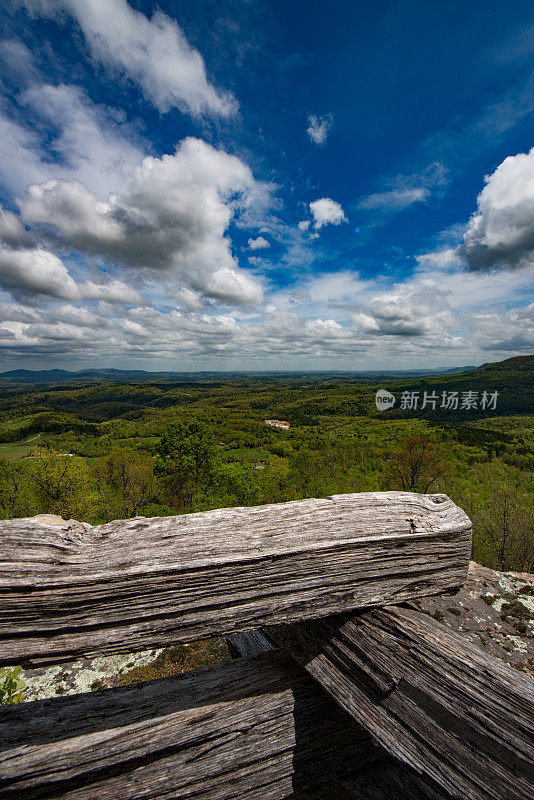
(235, 485)
(63, 484)
(13, 488)
(125, 481)
(500, 503)
(187, 461)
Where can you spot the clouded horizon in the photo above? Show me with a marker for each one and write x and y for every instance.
(262, 185)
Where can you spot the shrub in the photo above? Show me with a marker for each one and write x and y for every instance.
(11, 685)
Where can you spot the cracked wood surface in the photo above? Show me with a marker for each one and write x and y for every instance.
(255, 728)
(74, 590)
(385, 779)
(432, 699)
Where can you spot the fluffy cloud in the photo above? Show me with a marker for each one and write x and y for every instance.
(154, 54)
(72, 212)
(36, 271)
(111, 292)
(319, 127)
(258, 244)
(234, 287)
(326, 212)
(11, 230)
(171, 217)
(422, 313)
(91, 145)
(26, 268)
(440, 259)
(501, 231)
(187, 299)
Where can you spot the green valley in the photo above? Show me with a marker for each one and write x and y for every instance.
(103, 446)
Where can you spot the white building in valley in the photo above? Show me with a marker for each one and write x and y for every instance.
(278, 423)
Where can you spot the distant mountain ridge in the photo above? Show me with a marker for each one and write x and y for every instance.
(112, 374)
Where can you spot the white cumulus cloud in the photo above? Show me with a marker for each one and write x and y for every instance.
(327, 212)
(36, 271)
(171, 217)
(501, 231)
(152, 53)
(112, 292)
(12, 230)
(232, 286)
(258, 244)
(411, 314)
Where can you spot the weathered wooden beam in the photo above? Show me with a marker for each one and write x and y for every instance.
(249, 644)
(256, 728)
(432, 699)
(386, 779)
(389, 780)
(79, 591)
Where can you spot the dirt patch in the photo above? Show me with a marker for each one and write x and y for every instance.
(175, 660)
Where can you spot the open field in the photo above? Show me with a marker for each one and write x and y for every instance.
(16, 450)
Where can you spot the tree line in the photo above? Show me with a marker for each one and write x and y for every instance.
(188, 470)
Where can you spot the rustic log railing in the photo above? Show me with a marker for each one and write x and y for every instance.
(386, 703)
(432, 699)
(141, 583)
(255, 723)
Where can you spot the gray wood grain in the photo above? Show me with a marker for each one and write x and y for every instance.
(432, 699)
(386, 779)
(73, 591)
(255, 728)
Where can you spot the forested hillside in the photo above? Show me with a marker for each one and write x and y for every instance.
(103, 449)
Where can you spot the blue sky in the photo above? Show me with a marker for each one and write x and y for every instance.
(265, 185)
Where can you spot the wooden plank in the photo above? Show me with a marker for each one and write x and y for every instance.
(78, 591)
(383, 780)
(432, 699)
(249, 644)
(256, 728)
(389, 780)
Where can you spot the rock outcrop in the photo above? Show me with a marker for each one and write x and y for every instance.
(493, 609)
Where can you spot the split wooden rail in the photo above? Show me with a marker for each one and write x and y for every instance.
(339, 688)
